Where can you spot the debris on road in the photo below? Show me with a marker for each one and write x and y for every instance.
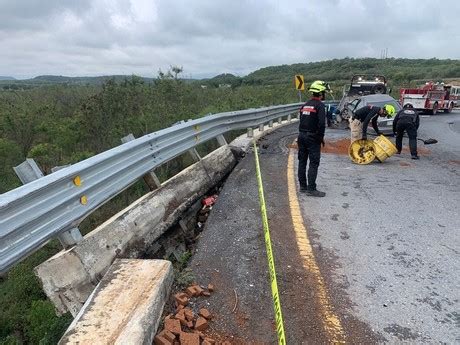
(203, 214)
(187, 324)
(236, 301)
(210, 200)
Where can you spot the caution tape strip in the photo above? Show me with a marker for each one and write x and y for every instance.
(271, 259)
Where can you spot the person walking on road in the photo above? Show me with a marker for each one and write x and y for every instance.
(361, 118)
(407, 120)
(311, 135)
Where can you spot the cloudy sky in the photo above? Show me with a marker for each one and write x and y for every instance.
(209, 37)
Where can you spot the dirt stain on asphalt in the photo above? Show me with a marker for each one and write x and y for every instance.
(338, 147)
(405, 164)
(420, 150)
(402, 333)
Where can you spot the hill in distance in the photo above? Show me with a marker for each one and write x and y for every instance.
(336, 70)
(396, 70)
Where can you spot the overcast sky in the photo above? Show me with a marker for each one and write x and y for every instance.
(209, 37)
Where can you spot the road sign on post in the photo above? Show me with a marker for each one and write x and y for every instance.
(299, 85)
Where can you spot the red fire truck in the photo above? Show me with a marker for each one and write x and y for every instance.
(431, 98)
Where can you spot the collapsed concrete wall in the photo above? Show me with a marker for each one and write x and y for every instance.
(69, 277)
(126, 306)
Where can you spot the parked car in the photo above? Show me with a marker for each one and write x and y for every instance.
(379, 100)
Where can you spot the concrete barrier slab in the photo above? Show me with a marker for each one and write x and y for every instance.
(126, 306)
(129, 233)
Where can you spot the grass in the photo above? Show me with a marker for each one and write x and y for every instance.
(26, 316)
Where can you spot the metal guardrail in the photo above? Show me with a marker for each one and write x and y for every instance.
(42, 209)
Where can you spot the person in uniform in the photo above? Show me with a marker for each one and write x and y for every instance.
(311, 136)
(370, 113)
(407, 120)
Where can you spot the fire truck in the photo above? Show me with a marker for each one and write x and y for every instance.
(455, 95)
(431, 97)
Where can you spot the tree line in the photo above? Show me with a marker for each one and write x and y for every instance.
(63, 124)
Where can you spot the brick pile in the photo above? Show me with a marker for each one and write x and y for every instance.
(187, 327)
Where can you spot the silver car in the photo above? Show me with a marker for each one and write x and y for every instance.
(379, 100)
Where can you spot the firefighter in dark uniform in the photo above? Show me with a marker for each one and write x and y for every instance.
(311, 136)
(366, 114)
(409, 121)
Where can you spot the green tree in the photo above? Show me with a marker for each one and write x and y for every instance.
(10, 156)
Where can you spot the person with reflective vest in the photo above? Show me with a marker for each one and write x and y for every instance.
(407, 120)
(370, 113)
(311, 135)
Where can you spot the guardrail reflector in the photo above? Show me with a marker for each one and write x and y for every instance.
(77, 181)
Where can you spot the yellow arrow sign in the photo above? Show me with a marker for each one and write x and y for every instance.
(299, 85)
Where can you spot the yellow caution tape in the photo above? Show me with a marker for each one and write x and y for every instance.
(271, 259)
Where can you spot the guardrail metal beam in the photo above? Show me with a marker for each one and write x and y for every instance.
(45, 208)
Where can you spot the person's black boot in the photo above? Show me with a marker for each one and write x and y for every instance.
(316, 193)
(415, 157)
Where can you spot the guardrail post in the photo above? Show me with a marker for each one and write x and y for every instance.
(195, 155)
(151, 179)
(221, 140)
(261, 127)
(29, 171)
(270, 124)
(289, 118)
(250, 132)
(280, 120)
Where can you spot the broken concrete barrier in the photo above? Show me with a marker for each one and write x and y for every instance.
(126, 306)
(69, 277)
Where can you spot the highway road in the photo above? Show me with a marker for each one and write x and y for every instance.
(376, 260)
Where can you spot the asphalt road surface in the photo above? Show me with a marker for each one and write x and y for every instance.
(375, 261)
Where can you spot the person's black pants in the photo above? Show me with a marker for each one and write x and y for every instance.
(411, 133)
(309, 148)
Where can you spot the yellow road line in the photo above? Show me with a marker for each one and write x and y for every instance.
(271, 259)
(331, 322)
